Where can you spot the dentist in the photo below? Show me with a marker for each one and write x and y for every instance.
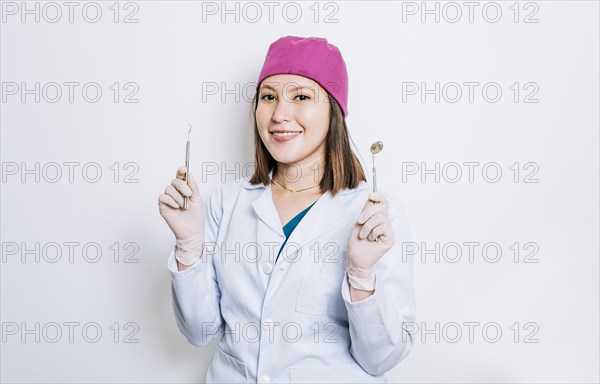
(299, 269)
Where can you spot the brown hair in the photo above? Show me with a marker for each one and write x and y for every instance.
(342, 168)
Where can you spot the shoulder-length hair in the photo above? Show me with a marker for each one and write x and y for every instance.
(342, 168)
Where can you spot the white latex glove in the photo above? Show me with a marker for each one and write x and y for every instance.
(363, 251)
(186, 223)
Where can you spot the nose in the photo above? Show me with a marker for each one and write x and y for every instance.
(283, 110)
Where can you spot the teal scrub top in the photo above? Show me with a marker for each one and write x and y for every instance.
(290, 226)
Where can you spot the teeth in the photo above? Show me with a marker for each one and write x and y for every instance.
(285, 133)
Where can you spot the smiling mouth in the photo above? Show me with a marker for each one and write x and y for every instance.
(290, 133)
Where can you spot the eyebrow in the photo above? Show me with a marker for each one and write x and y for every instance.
(292, 88)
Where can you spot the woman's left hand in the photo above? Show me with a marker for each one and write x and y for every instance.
(373, 223)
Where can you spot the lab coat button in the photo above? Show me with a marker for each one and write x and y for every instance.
(264, 379)
(267, 267)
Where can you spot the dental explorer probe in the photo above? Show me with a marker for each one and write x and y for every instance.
(187, 164)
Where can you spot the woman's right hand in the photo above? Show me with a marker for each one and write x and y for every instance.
(184, 222)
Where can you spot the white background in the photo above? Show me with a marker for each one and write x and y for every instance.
(171, 52)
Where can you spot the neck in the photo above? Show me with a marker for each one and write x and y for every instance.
(299, 175)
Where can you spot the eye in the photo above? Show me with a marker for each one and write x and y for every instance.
(305, 97)
(266, 95)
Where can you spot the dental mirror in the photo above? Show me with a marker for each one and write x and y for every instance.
(376, 147)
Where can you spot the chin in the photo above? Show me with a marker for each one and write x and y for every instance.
(285, 159)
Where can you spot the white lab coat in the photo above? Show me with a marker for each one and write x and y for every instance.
(292, 321)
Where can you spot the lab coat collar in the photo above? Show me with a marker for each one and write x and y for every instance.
(327, 212)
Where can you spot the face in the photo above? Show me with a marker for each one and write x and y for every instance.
(293, 118)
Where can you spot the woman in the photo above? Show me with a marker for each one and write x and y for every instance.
(299, 268)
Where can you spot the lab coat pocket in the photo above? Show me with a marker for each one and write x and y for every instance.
(337, 373)
(320, 288)
(225, 368)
